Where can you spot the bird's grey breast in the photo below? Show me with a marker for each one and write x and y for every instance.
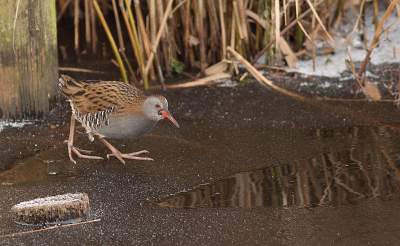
(126, 127)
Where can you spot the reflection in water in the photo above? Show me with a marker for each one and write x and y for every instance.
(356, 163)
(43, 166)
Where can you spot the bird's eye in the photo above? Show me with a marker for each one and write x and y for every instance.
(158, 105)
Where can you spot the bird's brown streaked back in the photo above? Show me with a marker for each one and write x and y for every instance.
(95, 96)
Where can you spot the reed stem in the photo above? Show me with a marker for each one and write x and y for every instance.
(87, 25)
(76, 24)
(160, 30)
(137, 44)
(112, 42)
(121, 42)
(143, 34)
(223, 32)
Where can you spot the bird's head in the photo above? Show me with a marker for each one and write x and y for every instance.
(156, 108)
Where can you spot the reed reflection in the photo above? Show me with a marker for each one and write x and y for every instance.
(357, 163)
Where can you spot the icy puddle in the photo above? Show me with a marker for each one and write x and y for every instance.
(356, 163)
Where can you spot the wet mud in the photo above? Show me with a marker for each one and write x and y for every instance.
(247, 166)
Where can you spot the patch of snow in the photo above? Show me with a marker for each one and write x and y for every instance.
(332, 65)
(228, 83)
(53, 200)
(305, 84)
(325, 85)
(371, 75)
(14, 124)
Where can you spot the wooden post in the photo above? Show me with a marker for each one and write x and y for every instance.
(28, 59)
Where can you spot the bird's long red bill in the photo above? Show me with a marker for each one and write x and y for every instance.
(168, 115)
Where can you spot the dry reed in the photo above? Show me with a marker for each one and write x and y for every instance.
(197, 32)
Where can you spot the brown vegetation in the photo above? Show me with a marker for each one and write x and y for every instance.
(175, 35)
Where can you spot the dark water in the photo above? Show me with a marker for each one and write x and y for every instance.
(363, 164)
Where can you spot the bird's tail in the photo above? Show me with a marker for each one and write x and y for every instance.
(68, 86)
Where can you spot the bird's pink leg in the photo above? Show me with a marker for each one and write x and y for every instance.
(71, 146)
(118, 154)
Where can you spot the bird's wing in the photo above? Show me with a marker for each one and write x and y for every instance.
(96, 96)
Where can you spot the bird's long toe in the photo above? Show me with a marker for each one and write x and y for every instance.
(131, 156)
(70, 145)
(137, 153)
(78, 151)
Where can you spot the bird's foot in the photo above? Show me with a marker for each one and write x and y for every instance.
(133, 156)
(118, 154)
(78, 151)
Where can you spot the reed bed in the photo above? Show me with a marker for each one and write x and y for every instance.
(174, 35)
